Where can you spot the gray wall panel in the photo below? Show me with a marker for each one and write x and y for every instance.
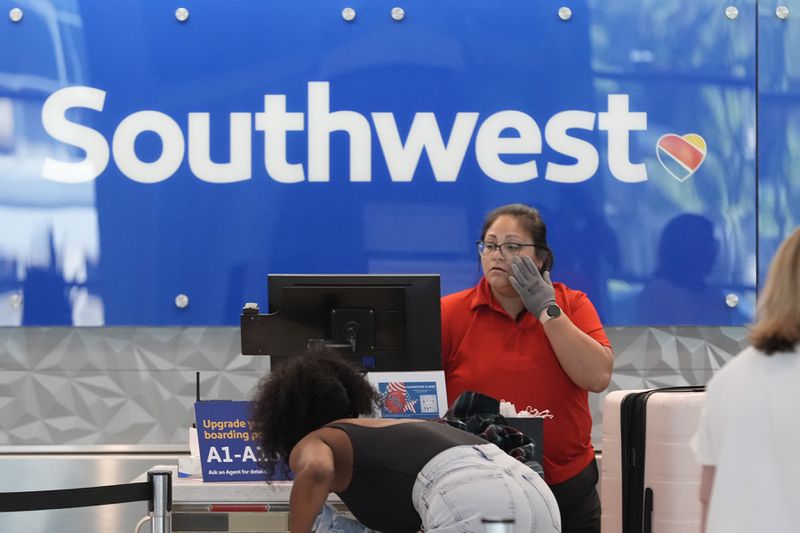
(136, 385)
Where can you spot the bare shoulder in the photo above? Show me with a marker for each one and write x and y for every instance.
(311, 449)
(309, 442)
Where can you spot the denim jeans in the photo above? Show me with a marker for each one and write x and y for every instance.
(462, 485)
(332, 521)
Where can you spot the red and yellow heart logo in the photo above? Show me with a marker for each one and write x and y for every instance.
(681, 155)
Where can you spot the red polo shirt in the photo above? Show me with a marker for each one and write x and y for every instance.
(486, 350)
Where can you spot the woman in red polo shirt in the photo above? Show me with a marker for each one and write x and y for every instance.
(520, 337)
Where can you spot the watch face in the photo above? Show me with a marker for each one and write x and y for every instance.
(553, 311)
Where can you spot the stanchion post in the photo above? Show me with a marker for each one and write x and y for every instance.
(495, 525)
(160, 501)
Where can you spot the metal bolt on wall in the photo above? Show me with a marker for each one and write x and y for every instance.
(182, 14)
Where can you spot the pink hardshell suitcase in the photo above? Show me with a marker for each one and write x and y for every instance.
(650, 481)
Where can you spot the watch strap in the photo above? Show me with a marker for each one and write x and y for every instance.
(545, 317)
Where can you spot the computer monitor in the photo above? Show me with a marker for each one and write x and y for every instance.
(382, 322)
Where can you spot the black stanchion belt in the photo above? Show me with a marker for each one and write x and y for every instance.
(85, 497)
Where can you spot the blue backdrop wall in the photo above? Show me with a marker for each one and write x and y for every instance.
(143, 157)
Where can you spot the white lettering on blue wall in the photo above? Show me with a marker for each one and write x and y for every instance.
(319, 122)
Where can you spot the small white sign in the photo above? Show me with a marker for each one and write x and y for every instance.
(410, 394)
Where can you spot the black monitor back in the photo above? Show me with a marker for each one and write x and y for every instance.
(399, 316)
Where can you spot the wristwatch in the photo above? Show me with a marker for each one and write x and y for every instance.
(549, 313)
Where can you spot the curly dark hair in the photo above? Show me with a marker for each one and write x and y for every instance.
(305, 393)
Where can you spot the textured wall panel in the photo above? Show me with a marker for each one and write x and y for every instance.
(137, 385)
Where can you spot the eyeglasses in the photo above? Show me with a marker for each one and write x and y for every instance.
(507, 249)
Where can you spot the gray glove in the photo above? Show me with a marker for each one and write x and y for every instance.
(536, 290)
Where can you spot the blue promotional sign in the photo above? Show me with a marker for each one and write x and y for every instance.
(418, 394)
(154, 168)
(229, 449)
(409, 399)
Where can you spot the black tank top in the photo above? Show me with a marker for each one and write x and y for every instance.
(386, 461)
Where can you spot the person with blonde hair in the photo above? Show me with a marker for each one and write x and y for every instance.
(750, 425)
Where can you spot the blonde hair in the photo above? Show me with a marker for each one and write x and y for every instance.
(778, 326)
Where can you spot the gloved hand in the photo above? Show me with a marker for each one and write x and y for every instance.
(536, 290)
